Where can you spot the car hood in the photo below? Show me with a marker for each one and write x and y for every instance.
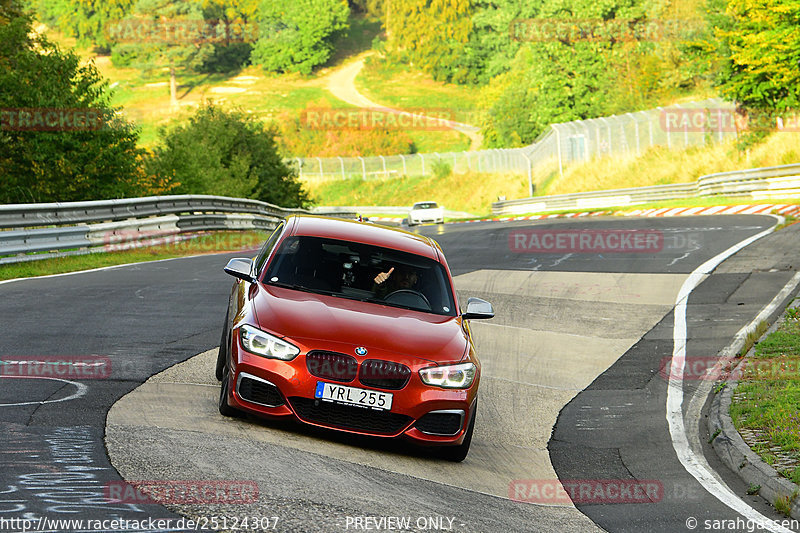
(319, 320)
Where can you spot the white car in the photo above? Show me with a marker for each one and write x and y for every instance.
(422, 212)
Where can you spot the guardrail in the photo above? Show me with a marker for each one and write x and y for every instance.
(40, 231)
(757, 183)
(369, 210)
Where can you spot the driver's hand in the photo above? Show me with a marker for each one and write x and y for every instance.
(383, 276)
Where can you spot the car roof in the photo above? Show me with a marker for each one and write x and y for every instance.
(426, 202)
(365, 233)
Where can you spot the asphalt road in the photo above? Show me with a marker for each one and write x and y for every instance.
(139, 320)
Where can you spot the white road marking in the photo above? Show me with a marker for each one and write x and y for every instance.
(692, 462)
(81, 391)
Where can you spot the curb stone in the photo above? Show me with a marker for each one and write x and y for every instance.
(735, 453)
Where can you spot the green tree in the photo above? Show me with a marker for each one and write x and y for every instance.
(226, 153)
(547, 83)
(163, 34)
(430, 35)
(296, 35)
(759, 48)
(237, 22)
(86, 20)
(42, 160)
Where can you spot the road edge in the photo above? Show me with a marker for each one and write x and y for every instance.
(728, 443)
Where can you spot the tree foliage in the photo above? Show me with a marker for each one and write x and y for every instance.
(163, 34)
(86, 20)
(40, 163)
(427, 34)
(226, 153)
(759, 45)
(296, 35)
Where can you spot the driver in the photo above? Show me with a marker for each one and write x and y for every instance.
(397, 278)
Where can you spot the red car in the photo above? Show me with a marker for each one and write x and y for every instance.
(354, 327)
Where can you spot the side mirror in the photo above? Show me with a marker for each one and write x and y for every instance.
(478, 309)
(240, 267)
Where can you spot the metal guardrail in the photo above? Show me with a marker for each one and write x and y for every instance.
(758, 183)
(369, 210)
(73, 228)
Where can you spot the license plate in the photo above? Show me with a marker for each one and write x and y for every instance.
(353, 396)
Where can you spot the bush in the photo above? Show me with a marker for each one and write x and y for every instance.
(441, 169)
(295, 36)
(226, 153)
(45, 163)
(297, 138)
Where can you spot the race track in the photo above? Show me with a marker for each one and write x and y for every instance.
(573, 388)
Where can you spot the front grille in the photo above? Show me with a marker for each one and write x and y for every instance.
(384, 374)
(260, 392)
(332, 365)
(349, 417)
(441, 422)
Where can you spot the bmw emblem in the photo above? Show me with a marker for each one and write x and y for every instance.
(361, 351)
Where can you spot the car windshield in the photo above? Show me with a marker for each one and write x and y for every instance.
(363, 272)
(425, 205)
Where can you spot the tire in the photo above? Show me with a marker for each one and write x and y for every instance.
(224, 408)
(458, 453)
(222, 354)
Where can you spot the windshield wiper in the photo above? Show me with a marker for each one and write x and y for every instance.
(297, 287)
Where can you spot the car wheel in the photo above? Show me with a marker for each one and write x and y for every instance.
(459, 453)
(224, 408)
(222, 354)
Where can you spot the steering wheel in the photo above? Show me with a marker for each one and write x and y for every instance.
(409, 298)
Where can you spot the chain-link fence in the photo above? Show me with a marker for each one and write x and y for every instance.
(678, 126)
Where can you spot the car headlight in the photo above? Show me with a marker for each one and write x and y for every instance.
(261, 343)
(458, 376)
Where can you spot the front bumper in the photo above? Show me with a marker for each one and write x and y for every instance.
(422, 218)
(277, 389)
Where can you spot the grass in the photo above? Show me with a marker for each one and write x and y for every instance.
(462, 192)
(145, 97)
(403, 87)
(767, 399)
(659, 165)
(206, 243)
(656, 166)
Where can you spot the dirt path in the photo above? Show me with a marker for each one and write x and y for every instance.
(341, 83)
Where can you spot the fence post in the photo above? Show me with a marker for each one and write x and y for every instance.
(321, 173)
(530, 173)
(363, 168)
(636, 130)
(403, 159)
(666, 123)
(608, 131)
(341, 164)
(422, 157)
(300, 167)
(558, 150)
(383, 160)
(588, 138)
